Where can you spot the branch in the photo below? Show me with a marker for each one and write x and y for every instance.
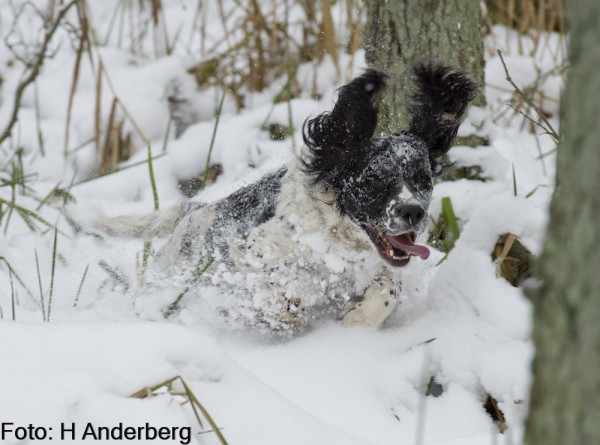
(34, 69)
(548, 129)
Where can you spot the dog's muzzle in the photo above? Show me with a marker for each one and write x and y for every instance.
(396, 249)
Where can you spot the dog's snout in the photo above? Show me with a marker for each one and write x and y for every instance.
(412, 214)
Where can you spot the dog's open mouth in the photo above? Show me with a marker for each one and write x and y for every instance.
(396, 249)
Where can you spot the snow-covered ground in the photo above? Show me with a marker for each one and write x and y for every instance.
(459, 321)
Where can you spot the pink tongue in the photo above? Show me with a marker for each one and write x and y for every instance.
(404, 242)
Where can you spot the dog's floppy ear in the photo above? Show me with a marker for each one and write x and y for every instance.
(436, 106)
(333, 136)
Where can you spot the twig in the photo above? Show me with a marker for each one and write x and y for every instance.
(548, 126)
(34, 69)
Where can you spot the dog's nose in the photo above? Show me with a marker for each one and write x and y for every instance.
(412, 214)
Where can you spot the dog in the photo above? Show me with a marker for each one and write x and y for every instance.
(327, 235)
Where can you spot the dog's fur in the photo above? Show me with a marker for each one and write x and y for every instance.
(326, 235)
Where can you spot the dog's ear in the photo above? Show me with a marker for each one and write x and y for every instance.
(334, 136)
(437, 105)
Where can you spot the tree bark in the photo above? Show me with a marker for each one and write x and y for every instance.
(399, 32)
(565, 397)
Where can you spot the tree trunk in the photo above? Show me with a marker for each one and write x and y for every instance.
(399, 32)
(565, 397)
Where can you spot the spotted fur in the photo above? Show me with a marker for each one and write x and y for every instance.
(327, 235)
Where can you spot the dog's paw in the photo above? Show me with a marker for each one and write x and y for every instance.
(380, 299)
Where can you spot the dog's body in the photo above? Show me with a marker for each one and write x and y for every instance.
(327, 235)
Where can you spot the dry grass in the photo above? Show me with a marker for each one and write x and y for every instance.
(492, 408)
(259, 45)
(266, 45)
(263, 42)
(184, 392)
(534, 19)
(525, 15)
(513, 259)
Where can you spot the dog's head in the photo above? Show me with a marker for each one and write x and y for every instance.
(385, 184)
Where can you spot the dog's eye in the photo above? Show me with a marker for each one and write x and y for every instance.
(376, 183)
(423, 181)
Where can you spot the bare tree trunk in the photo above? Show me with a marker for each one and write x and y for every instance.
(399, 32)
(565, 397)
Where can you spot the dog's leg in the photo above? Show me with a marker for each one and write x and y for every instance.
(379, 301)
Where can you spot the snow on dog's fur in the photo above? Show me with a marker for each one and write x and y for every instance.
(327, 235)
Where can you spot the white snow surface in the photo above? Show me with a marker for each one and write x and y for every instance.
(458, 321)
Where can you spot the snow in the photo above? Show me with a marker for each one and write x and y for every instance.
(458, 321)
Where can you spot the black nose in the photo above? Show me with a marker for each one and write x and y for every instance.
(412, 214)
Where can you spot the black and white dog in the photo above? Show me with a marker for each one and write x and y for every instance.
(327, 235)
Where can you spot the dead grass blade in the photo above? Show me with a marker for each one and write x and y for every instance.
(327, 43)
(83, 40)
(492, 408)
(109, 152)
(98, 107)
(167, 385)
(159, 29)
(513, 259)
